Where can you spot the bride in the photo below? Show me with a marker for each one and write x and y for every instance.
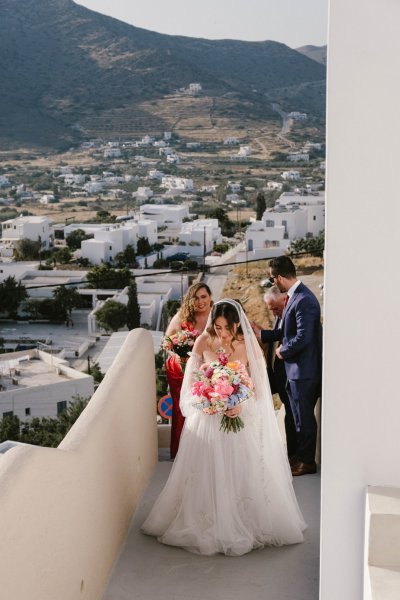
(228, 492)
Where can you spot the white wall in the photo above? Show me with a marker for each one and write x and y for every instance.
(361, 409)
(64, 512)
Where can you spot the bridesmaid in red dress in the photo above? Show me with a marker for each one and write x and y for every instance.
(194, 311)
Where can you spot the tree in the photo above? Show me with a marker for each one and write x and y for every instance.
(43, 431)
(75, 239)
(11, 296)
(127, 258)
(67, 297)
(62, 256)
(133, 309)
(112, 315)
(104, 276)
(143, 246)
(51, 310)
(261, 205)
(314, 245)
(26, 249)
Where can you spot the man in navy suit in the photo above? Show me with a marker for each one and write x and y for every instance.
(301, 350)
(276, 302)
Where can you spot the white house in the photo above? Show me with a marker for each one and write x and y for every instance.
(4, 181)
(297, 116)
(173, 159)
(244, 151)
(231, 141)
(93, 187)
(203, 233)
(164, 214)
(298, 157)
(291, 175)
(177, 184)
(109, 240)
(234, 186)
(274, 185)
(194, 88)
(155, 174)
(112, 153)
(37, 384)
(74, 179)
(32, 228)
(143, 192)
(302, 215)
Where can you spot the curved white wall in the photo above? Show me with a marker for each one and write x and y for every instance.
(64, 512)
(361, 410)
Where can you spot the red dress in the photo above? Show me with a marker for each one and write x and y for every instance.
(175, 377)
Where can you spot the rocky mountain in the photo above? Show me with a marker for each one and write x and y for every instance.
(66, 72)
(317, 53)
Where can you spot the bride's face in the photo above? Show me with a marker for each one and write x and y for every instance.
(223, 331)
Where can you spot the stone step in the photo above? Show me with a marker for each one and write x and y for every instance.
(382, 540)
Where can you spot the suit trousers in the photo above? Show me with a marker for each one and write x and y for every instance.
(303, 395)
(290, 428)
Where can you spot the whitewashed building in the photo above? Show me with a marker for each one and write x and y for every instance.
(291, 175)
(298, 157)
(31, 228)
(274, 185)
(294, 216)
(194, 88)
(203, 233)
(37, 384)
(109, 240)
(112, 153)
(164, 214)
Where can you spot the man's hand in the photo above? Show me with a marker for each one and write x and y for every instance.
(278, 352)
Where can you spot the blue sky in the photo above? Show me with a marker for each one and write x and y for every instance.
(293, 22)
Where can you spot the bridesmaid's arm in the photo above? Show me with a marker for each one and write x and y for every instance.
(174, 324)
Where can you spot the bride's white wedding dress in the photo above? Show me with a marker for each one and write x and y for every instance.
(229, 492)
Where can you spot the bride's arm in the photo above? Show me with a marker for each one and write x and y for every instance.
(196, 359)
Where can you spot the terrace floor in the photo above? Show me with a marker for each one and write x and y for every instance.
(147, 570)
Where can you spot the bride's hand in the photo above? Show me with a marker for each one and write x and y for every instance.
(233, 412)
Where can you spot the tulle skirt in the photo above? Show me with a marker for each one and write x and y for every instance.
(223, 495)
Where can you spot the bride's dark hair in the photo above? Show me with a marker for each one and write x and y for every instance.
(229, 312)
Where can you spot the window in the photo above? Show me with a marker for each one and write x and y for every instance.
(314, 218)
(61, 407)
(27, 412)
(8, 413)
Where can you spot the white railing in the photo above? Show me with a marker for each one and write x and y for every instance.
(64, 511)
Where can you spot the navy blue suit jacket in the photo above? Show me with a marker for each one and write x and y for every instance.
(300, 335)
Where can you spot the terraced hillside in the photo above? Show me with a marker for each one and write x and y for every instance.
(69, 73)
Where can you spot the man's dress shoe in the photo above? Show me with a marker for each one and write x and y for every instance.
(302, 468)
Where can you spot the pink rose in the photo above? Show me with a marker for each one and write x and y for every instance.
(223, 388)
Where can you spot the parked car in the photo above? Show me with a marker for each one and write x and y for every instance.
(178, 256)
(266, 283)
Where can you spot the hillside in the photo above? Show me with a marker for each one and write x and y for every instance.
(69, 73)
(317, 53)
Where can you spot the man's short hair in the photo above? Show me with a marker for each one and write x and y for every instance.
(282, 265)
(273, 293)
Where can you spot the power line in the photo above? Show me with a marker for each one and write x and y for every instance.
(201, 269)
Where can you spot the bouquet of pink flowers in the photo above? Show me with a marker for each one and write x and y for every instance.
(182, 341)
(220, 386)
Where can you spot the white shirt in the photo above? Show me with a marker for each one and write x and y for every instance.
(291, 290)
